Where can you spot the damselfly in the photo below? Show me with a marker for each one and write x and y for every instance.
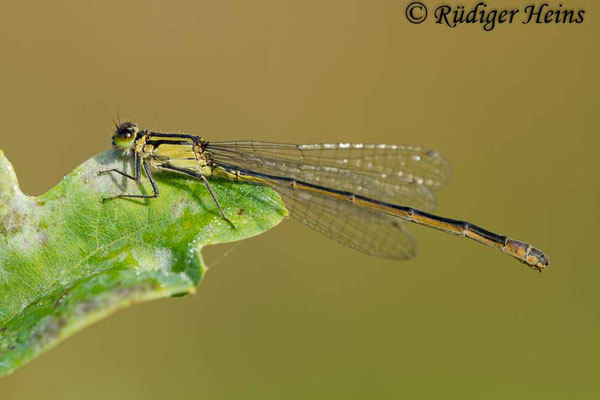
(357, 194)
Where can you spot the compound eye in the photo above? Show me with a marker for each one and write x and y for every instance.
(125, 135)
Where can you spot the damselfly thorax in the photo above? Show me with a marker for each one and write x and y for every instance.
(358, 194)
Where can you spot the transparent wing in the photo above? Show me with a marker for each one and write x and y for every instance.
(365, 230)
(404, 175)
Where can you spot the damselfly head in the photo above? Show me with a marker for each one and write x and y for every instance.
(125, 135)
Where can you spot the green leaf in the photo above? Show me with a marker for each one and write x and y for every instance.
(67, 259)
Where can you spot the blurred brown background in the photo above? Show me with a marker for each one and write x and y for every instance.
(290, 315)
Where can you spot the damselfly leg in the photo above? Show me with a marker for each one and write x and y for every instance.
(193, 174)
(138, 166)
